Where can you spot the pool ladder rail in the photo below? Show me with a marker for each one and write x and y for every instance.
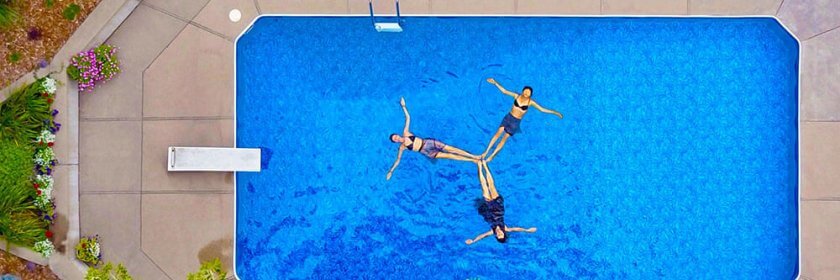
(386, 26)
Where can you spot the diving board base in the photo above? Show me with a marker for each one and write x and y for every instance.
(211, 159)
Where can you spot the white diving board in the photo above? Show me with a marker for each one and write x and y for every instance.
(213, 159)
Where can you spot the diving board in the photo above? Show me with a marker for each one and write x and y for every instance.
(213, 159)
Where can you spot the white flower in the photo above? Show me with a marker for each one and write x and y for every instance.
(45, 247)
(46, 137)
(49, 85)
(44, 156)
(44, 181)
(94, 250)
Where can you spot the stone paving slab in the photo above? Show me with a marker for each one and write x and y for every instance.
(388, 7)
(807, 18)
(182, 230)
(111, 158)
(473, 7)
(61, 181)
(185, 9)
(215, 17)
(645, 7)
(820, 159)
(303, 6)
(559, 7)
(143, 35)
(159, 135)
(204, 76)
(116, 219)
(820, 246)
(731, 7)
(820, 87)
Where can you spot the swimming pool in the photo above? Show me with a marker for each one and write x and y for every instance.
(677, 157)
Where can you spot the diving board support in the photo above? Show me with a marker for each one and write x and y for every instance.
(386, 26)
(213, 159)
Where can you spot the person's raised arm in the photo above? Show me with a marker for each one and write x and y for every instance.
(397, 162)
(407, 116)
(501, 88)
(479, 237)
(544, 110)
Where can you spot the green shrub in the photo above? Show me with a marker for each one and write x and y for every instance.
(19, 221)
(14, 57)
(210, 270)
(71, 12)
(8, 14)
(23, 113)
(49, 3)
(108, 272)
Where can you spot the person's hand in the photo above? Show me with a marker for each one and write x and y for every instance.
(533, 229)
(469, 241)
(492, 81)
(388, 177)
(402, 101)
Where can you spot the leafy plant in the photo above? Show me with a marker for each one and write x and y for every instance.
(19, 222)
(49, 3)
(88, 251)
(14, 57)
(108, 272)
(210, 270)
(92, 66)
(71, 12)
(34, 33)
(8, 15)
(26, 113)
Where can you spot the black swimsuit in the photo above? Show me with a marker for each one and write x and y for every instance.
(493, 212)
(511, 123)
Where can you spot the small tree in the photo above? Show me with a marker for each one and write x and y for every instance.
(210, 270)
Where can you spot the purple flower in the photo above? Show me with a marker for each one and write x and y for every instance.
(54, 112)
(30, 266)
(43, 63)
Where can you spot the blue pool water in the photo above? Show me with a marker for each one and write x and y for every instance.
(677, 156)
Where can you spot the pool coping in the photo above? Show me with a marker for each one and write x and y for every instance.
(798, 273)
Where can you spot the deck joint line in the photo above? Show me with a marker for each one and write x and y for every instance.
(821, 33)
(779, 8)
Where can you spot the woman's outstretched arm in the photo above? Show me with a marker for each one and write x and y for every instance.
(501, 88)
(519, 229)
(397, 162)
(479, 237)
(544, 110)
(407, 117)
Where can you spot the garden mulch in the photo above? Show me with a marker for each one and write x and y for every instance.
(53, 30)
(23, 269)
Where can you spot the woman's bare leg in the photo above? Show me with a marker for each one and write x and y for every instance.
(491, 184)
(499, 147)
(453, 150)
(493, 141)
(484, 191)
(445, 155)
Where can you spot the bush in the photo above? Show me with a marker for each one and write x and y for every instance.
(71, 12)
(88, 250)
(19, 222)
(8, 15)
(108, 272)
(210, 270)
(92, 66)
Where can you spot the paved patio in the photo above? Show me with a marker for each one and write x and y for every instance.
(177, 89)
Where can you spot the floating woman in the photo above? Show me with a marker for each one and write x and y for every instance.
(493, 209)
(510, 124)
(429, 147)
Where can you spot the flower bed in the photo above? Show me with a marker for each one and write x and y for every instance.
(39, 31)
(27, 134)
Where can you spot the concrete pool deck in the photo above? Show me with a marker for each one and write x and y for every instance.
(176, 89)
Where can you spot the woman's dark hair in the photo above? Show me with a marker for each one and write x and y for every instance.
(528, 88)
(392, 137)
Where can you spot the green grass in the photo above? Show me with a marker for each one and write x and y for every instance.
(71, 12)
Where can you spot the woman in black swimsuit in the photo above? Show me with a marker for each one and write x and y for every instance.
(429, 147)
(493, 209)
(510, 124)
